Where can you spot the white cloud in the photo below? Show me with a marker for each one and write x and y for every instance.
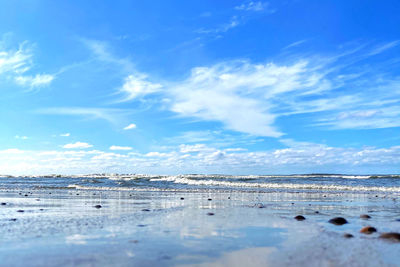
(39, 80)
(299, 157)
(253, 6)
(120, 148)
(137, 86)
(382, 48)
(130, 126)
(15, 63)
(65, 134)
(109, 114)
(233, 23)
(248, 97)
(77, 145)
(21, 137)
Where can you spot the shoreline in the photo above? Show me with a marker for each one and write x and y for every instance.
(150, 228)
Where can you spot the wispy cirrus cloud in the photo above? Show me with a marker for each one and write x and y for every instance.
(39, 80)
(257, 6)
(248, 97)
(15, 63)
(112, 115)
(241, 14)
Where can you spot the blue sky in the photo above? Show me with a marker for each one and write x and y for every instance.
(236, 87)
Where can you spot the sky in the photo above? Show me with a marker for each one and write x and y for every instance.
(201, 86)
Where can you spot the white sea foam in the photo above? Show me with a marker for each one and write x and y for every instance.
(322, 187)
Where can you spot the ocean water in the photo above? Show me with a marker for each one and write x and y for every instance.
(196, 182)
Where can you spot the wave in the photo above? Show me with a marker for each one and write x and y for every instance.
(208, 182)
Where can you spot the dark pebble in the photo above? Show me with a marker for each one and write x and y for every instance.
(229, 197)
(260, 206)
(300, 218)
(145, 210)
(3, 203)
(348, 235)
(316, 212)
(141, 225)
(391, 236)
(182, 198)
(209, 199)
(338, 221)
(210, 213)
(20, 210)
(365, 216)
(97, 206)
(13, 219)
(26, 195)
(368, 230)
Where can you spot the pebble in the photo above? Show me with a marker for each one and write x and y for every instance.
(338, 221)
(346, 235)
(20, 210)
(316, 212)
(300, 218)
(209, 199)
(97, 206)
(145, 210)
(3, 203)
(210, 213)
(365, 216)
(391, 236)
(368, 230)
(182, 198)
(13, 219)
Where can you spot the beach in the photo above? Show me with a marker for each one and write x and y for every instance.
(187, 227)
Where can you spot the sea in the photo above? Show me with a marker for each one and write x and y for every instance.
(199, 182)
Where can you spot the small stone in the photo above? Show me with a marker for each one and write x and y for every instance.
(20, 210)
(365, 216)
(338, 221)
(3, 203)
(26, 195)
(141, 225)
(210, 213)
(395, 237)
(368, 230)
(98, 206)
(346, 235)
(145, 210)
(260, 205)
(316, 212)
(300, 218)
(209, 199)
(182, 198)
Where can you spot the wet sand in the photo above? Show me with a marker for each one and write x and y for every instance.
(112, 228)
